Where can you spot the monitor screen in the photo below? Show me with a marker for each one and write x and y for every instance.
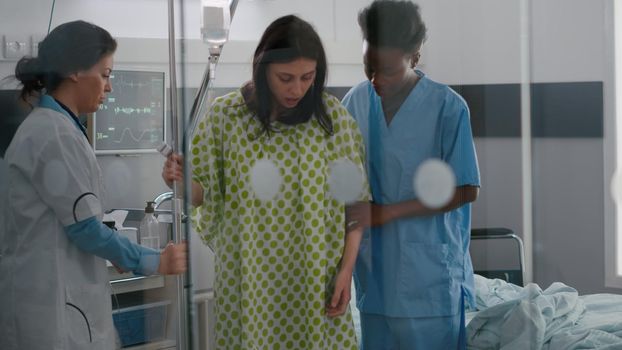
(131, 119)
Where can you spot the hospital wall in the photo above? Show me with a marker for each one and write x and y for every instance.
(472, 45)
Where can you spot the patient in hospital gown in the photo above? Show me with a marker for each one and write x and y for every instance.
(279, 259)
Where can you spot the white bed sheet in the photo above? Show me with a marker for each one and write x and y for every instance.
(512, 317)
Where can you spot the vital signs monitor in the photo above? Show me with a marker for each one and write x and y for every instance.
(132, 118)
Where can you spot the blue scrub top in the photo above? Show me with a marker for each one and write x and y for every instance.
(420, 266)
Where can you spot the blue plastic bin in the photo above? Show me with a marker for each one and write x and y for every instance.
(141, 324)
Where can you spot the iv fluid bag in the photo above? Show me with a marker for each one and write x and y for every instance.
(215, 21)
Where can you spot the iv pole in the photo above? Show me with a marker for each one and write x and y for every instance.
(185, 337)
(203, 99)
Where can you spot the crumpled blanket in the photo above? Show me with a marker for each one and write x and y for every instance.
(514, 317)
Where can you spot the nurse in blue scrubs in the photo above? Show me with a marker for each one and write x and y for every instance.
(414, 275)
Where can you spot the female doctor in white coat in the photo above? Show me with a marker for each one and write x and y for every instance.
(54, 291)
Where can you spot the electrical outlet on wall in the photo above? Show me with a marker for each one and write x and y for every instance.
(15, 47)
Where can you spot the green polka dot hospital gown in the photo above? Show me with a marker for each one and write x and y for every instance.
(275, 258)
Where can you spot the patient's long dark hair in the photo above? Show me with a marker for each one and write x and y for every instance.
(287, 39)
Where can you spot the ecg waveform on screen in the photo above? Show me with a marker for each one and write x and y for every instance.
(129, 110)
(132, 116)
(121, 82)
(127, 132)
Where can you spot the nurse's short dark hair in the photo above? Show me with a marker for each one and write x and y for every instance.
(393, 24)
(69, 48)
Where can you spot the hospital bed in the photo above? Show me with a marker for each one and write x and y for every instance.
(512, 245)
(556, 318)
(510, 316)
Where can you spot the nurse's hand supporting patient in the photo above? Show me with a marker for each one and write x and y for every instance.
(366, 214)
(173, 259)
(173, 170)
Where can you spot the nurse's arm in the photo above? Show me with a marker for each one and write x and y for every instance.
(413, 208)
(93, 237)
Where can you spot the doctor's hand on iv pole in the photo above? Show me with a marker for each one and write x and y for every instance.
(173, 171)
(173, 259)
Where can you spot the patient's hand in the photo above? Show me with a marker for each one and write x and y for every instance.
(341, 295)
(173, 169)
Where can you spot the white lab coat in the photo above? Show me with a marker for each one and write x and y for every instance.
(52, 294)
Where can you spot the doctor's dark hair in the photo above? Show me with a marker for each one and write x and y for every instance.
(393, 24)
(286, 39)
(69, 48)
